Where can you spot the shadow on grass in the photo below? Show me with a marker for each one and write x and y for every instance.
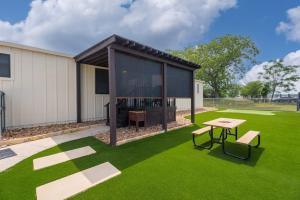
(131, 153)
(239, 150)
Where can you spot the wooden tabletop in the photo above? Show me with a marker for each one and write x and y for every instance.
(225, 122)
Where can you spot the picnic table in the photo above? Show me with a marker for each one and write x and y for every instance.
(226, 124)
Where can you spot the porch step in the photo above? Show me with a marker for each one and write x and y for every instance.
(71, 185)
(55, 159)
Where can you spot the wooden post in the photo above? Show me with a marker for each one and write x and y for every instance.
(193, 99)
(164, 97)
(78, 92)
(112, 96)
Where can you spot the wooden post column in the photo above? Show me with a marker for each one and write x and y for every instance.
(112, 96)
(78, 92)
(164, 97)
(193, 99)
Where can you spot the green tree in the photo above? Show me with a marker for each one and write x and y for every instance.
(207, 91)
(266, 90)
(280, 76)
(234, 90)
(223, 60)
(253, 89)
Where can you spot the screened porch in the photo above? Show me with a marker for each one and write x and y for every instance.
(140, 82)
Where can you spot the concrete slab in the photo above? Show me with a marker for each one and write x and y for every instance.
(76, 183)
(55, 159)
(28, 149)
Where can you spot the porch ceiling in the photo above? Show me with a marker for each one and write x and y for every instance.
(99, 58)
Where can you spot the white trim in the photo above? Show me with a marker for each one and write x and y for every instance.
(94, 66)
(105, 68)
(25, 47)
(199, 81)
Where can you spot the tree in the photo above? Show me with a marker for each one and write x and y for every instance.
(252, 89)
(223, 60)
(280, 76)
(207, 91)
(266, 90)
(234, 90)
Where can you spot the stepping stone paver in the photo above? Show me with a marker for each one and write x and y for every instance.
(71, 185)
(54, 159)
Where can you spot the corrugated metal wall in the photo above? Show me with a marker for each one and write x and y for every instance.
(92, 104)
(185, 103)
(41, 90)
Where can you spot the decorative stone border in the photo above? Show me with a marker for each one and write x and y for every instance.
(9, 142)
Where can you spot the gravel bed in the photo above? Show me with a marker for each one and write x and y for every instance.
(39, 130)
(127, 133)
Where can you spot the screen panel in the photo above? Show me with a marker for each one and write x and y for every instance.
(101, 81)
(179, 82)
(137, 77)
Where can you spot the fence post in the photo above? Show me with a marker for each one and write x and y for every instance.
(298, 102)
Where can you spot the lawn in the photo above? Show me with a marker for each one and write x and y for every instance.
(257, 104)
(168, 167)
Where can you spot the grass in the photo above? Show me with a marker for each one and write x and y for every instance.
(234, 103)
(168, 167)
(255, 112)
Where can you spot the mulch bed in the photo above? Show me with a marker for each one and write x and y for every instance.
(33, 131)
(127, 133)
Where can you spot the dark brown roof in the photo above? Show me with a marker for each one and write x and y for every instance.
(97, 54)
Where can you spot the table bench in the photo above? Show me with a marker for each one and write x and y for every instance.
(200, 132)
(246, 139)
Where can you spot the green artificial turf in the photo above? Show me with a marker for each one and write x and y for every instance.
(168, 167)
(255, 112)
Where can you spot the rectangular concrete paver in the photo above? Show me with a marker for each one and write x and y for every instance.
(71, 185)
(54, 159)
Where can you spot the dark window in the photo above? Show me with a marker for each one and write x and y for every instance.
(137, 77)
(179, 82)
(101, 81)
(4, 65)
(198, 90)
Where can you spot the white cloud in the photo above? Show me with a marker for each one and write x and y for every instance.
(291, 28)
(72, 25)
(252, 74)
(292, 58)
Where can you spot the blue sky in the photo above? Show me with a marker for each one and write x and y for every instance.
(71, 26)
(255, 18)
(14, 10)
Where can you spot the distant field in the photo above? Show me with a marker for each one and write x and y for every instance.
(254, 112)
(247, 104)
